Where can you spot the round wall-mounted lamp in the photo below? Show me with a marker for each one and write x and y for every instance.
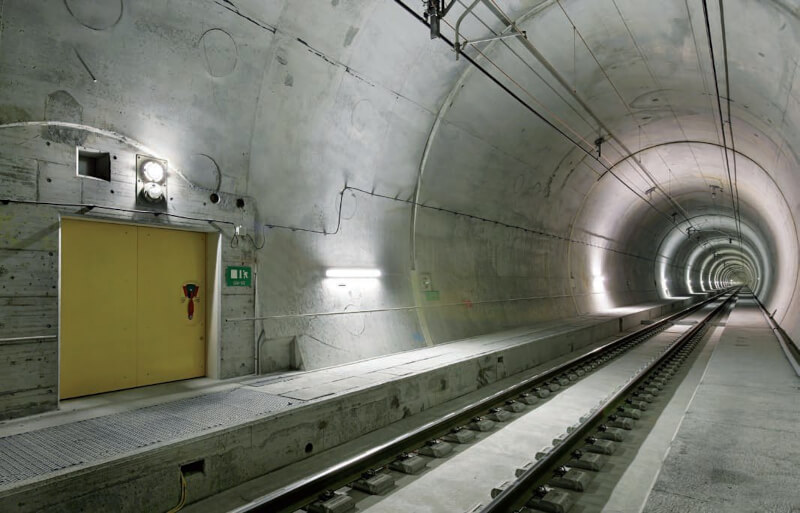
(152, 192)
(151, 181)
(153, 170)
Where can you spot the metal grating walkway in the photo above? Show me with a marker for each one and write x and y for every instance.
(28, 455)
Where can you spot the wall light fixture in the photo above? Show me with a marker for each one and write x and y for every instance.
(345, 272)
(151, 181)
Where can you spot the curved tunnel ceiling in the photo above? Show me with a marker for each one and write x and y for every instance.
(640, 80)
(602, 160)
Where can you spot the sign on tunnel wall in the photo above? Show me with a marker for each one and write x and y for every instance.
(236, 276)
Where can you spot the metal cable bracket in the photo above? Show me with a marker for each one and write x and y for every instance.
(460, 46)
(435, 10)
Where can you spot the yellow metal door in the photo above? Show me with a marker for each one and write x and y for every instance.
(98, 307)
(124, 314)
(171, 346)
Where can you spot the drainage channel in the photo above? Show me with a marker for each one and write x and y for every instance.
(372, 472)
(565, 474)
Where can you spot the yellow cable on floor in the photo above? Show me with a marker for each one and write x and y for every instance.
(181, 503)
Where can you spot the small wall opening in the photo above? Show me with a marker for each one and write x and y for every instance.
(94, 164)
(195, 467)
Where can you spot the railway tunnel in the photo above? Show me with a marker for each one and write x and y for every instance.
(393, 255)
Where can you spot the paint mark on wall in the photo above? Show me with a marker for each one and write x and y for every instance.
(95, 15)
(365, 117)
(62, 106)
(351, 33)
(203, 172)
(281, 57)
(220, 53)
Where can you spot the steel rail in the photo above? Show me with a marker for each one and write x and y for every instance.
(519, 492)
(301, 492)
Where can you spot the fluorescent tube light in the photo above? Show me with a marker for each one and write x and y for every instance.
(353, 273)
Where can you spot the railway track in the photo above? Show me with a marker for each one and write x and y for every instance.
(552, 479)
(550, 484)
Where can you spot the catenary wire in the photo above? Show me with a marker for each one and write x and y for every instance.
(719, 107)
(622, 147)
(539, 115)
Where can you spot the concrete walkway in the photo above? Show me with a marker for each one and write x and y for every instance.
(130, 459)
(738, 448)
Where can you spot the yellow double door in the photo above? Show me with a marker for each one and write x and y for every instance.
(124, 312)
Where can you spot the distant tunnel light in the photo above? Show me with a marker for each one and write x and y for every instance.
(344, 272)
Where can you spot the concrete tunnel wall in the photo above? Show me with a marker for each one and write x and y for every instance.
(284, 104)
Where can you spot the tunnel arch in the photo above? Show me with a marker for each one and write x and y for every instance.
(748, 155)
(371, 102)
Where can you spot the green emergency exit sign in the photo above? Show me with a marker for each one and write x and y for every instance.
(238, 276)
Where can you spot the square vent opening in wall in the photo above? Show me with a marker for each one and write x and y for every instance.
(93, 164)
